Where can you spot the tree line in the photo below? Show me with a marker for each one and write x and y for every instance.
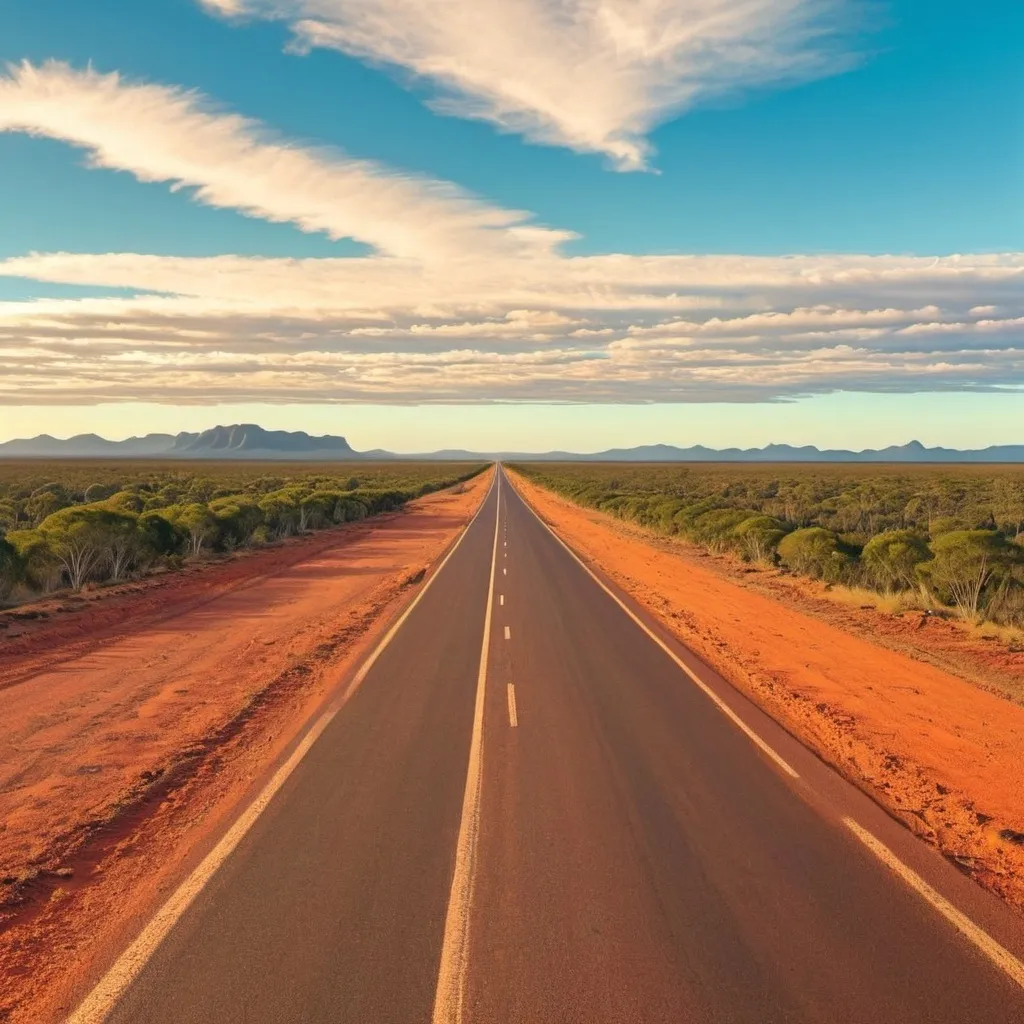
(66, 533)
(955, 534)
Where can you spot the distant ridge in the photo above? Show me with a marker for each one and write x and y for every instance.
(249, 441)
(86, 446)
(913, 451)
(237, 441)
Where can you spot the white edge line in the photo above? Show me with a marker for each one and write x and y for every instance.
(997, 954)
(451, 975)
(513, 714)
(105, 995)
(719, 703)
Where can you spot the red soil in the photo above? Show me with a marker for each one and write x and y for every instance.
(133, 721)
(938, 751)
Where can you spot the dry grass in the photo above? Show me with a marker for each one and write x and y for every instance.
(1011, 636)
(891, 604)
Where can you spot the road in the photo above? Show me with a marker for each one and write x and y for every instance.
(529, 812)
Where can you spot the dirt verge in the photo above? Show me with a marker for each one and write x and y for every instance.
(942, 754)
(135, 722)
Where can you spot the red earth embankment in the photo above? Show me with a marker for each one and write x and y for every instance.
(133, 721)
(944, 755)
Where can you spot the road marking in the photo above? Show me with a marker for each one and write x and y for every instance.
(999, 955)
(513, 717)
(501, 600)
(508, 633)
(451, 976)
(504, 572)
(111, 987)
(719, 703)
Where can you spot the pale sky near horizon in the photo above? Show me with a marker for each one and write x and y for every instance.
(687, 221)
(843, 421)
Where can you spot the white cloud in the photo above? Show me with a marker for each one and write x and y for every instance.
(227, 8)
(591, 329)
(161, 134)
(593, 75)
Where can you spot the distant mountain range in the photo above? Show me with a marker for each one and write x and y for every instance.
(248, 441)
(239, 441)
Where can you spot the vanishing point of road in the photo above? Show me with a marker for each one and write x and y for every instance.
(535, 806)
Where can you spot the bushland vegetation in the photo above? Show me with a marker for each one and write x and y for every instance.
(72, 524)
(952, 536)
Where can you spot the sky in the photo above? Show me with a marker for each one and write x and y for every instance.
(519, 224)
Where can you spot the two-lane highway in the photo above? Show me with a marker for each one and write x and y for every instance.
(528, 812)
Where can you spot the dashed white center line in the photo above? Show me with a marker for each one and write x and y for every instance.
(504, 572)
(501, 599)
(513, 717)
(508, 633)
(451, 977)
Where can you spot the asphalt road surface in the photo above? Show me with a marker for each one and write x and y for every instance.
(529, 812)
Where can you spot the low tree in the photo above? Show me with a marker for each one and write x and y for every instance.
(759, 537)
(99, 492)
(39, 567)
(9, 516)
(237, 519)
(126, 501)
(965, 563)
(123, 542)
(79, 538)
(379, 500)
(716, 529)
(159, 536)
(349, 510)
(198, 522)
(46, 500)
(319, 508)
(281, 513)
(814, 551)
(12, 568)
(892, 559)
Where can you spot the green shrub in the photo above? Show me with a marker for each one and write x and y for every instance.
(816, 552)
(717, 529)
(84, 537)
(12, 568)
(38, 564)
(892, 559)
(160, 536)
(965, 564)
(759, 537)
(99, 492)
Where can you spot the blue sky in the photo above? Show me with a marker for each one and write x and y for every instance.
(874, 152)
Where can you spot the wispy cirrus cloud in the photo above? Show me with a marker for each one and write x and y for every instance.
(593, 75)
(164, 134)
